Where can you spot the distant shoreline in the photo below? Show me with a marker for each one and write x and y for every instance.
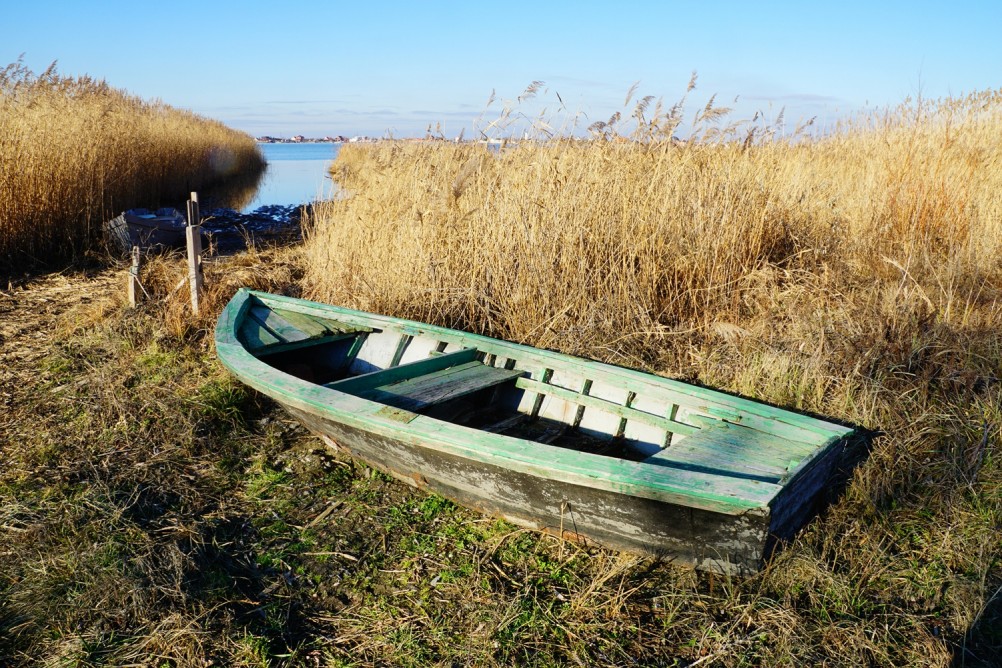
(306, 140)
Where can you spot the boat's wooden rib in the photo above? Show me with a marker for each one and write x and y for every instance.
(692, 474)
(624, 412)
(538, 388)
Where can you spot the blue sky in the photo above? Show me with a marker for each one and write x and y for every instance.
(334, 67)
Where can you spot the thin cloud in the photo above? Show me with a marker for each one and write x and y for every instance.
(445, 114)
(340, 100)
(804, 98)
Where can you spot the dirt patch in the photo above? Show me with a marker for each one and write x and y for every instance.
(31, 313)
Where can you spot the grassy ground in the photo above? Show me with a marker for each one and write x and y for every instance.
(156, 512)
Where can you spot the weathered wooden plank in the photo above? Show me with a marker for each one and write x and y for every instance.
(714, 468)
(781, 422)
(398, 354)
(579, 414)
(312, 327)
(507, 423)
(537, 403)
(255, 336)
(732, 450)
(551, 434)
(356, 346)
(672, 413)
(813, 484)
(368, 381)
(414, 394)
(730, 543)
(761, 447)
(279, 347)
(277, 325)
(193, 237)
(608, 406)
(621, 429)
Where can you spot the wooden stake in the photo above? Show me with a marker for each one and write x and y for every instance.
(194, 234)
(134, 286)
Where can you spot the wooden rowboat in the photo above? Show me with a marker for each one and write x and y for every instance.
(561, 444)
(160, 229)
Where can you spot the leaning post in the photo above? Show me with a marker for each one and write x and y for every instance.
(194, 234)
(134, 285)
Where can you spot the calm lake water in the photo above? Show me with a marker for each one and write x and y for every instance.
(296, 174)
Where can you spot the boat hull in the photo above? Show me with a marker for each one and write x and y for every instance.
(572, 447)
(718, 542)
(150, 231)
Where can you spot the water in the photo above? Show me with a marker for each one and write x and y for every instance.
(296, 174)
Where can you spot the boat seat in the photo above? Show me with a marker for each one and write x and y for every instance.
(736, 451)
(268, 331)
(428, 382)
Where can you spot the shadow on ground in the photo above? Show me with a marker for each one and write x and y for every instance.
(983, 644)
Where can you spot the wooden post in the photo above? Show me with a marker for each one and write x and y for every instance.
(194, 233)
(134, 286)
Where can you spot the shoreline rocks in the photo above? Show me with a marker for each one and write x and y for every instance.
(227, 230)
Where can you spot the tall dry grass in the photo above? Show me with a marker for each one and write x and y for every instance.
(856, 275)
(74, 152)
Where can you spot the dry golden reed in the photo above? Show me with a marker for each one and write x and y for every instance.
(75, 152)
(856, 275)
(658, 236)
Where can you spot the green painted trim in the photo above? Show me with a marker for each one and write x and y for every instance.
(356, 348)
(402, 344)
(715, 404)
(312, 327)
(430, 389)
(257, 335)
(275, 348)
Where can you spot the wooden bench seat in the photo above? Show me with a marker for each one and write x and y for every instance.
(269, 331)
(415, 394)
(426, 382)
(735, 451)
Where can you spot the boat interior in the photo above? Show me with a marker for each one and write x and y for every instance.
(416, 372)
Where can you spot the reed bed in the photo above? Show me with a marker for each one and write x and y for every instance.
(75, 152)
(855, 275)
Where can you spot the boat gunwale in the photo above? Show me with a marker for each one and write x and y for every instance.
(542, 460)
(719, 405)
